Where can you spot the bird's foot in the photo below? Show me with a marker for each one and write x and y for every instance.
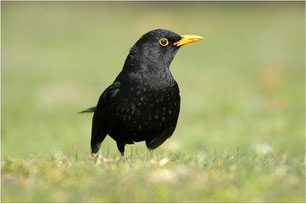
(96, 157)
(153, 155)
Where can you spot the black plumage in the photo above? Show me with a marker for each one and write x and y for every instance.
(143, 103)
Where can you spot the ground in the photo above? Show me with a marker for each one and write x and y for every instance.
(169, 177)
(240, 134)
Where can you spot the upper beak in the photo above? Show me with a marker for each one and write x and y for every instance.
(185, 39)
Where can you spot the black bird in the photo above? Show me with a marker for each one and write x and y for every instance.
(143, 103)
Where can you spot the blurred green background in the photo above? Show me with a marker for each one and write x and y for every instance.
(242, 88)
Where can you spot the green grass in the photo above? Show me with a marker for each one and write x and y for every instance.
(240, 134)
(168, 177)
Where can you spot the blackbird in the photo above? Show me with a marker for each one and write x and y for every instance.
(143, 103)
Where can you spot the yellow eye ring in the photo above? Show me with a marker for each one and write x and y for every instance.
(163, 42)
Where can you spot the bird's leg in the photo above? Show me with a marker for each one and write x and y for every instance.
(153, 155)
(121, 148)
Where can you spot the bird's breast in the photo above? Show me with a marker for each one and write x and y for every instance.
(147, 110)
(150, 100)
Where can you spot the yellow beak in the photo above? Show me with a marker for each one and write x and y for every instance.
(185, 39)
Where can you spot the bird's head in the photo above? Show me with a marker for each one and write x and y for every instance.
(157, 48)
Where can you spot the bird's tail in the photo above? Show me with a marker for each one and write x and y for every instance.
(89, 110)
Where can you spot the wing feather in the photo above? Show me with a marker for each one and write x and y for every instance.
(103, 118)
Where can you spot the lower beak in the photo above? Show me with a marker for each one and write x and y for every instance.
(185, 39)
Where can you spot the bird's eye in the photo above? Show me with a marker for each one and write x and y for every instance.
(163, 42)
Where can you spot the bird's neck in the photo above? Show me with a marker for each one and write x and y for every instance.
(138, 60)
(137, 71)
